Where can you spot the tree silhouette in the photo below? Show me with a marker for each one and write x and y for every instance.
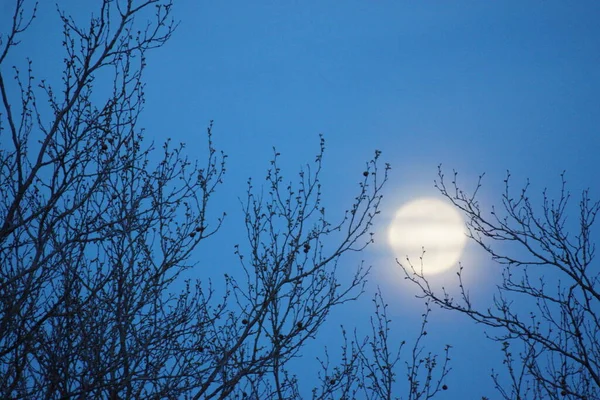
(545, 313)
(96, 227)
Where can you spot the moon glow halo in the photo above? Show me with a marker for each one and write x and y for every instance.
(428, 224)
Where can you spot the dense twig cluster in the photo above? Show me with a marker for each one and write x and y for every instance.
(95, 228)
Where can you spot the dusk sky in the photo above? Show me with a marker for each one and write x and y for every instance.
(477, 86)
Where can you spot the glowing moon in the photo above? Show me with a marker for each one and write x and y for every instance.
(430, 224)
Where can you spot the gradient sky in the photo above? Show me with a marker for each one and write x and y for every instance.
(478, 86)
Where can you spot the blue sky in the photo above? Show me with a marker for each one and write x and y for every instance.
(478, 86)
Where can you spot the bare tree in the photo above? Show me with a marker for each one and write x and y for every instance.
(369, 366)
(96, 227)
(546, 313)
(93, 233)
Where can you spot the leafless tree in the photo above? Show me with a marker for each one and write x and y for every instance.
(99, 230)
(546, 312)
(369, 366)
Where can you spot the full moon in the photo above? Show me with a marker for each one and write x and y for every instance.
(432, 225)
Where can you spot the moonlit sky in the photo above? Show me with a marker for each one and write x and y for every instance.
(477, 86)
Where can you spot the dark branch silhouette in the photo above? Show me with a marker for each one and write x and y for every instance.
(98, 231)
(545, 312)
